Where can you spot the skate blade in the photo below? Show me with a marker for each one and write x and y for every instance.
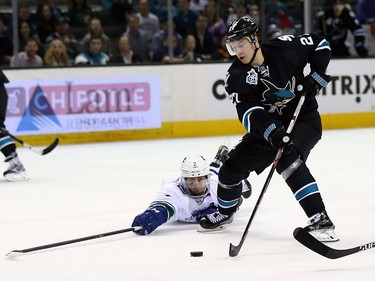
(14, 177)
(325, 236)
(216, 229)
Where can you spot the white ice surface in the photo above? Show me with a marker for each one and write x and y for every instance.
(82, 190)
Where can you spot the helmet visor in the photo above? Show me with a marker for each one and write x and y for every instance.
(230, 49)
(234, 47)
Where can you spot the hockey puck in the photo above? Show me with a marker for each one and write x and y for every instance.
(196, 254)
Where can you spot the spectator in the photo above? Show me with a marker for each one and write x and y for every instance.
(126, 55)
(189, 54)
(232, 15)
(366, 11)
(161, 10)
(56, 12)
(224, 7)
(6, 46)
(24, 14)
(138, 38)
(148, 22)
(96, 30)
(197, 6)
(106, 4)
(63, 33)
(94, 56)
(216, 25)
(45, 22)
(204, 42)
(241, 10)
(25, 33)
(185, 18)
(276, 12)
(162, 53)
(120, 11)
(273, 32)
(56, 54)
(254, 13)
(221, 53)
(79, 12)
(28, 58)
(334, 24)
(157, 41)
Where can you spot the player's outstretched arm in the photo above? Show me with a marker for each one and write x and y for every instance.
(150, 219)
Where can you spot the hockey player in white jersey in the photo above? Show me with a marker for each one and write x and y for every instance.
(189, 198)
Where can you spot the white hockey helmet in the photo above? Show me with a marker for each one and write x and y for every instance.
(194, 166)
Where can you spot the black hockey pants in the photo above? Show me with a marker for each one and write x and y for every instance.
(256, 154)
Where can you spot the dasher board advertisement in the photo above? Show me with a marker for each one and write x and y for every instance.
(83, 105)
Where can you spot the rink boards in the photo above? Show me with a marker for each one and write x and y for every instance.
(91, 104)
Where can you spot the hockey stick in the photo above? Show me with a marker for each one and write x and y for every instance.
(234, 250)
(44, 151)
(15, 253)
(306, 239)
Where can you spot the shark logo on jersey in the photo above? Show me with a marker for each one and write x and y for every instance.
(252, 77)
(277, 98)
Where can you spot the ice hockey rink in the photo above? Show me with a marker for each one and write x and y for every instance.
(87, 189)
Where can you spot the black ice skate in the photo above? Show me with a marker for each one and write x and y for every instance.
(214, 222)
(321, 227)
(246, 189)
(15, 171)
(221, 156)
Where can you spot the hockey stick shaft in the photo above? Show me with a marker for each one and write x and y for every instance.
(234, 250)
(44, 151)
(62, 243)
(306, 239)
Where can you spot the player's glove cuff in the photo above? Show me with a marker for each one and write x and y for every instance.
(150, 219)
(313, 83)
(278, 137)
(361, 49)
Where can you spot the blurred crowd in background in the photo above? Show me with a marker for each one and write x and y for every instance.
(101, 32)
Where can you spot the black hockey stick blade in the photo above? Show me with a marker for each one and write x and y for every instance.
(44, 151)
(49, 148)
(15, 253)
(38, 151)
(234, 250)
(306, 239)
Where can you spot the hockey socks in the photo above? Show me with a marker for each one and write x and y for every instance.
(305, 189)
(228, 197)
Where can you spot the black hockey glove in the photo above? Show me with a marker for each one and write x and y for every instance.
(313, 83)
(278, 137)
(361, 49)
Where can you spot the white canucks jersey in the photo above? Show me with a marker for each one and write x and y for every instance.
(183, 206)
